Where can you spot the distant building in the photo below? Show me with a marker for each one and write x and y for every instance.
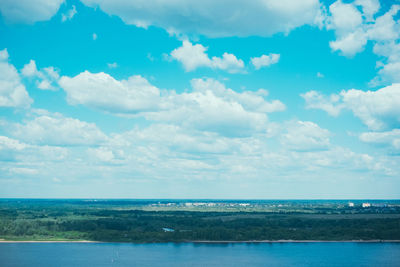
(366, 205)
(168, 229)
(351, 204)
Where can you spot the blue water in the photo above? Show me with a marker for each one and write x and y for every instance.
(239, 254)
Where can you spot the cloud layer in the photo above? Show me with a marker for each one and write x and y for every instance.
(262, 18)
(21, 11)
(376, 109)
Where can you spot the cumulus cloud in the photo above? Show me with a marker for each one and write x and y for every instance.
(69, 14)
(331, 104)
(250, 100)
(56, 130)
(102, 154)
(9, 147)
(13, 150)
(103, 92)
(369, 8)
(194, 56)
(376, 109)
(355, 24)
(12, 91)
(46, 78)
(22, 11)
(350, 44)
(389, 70)
(207, 112)
(391, 138)
(213, 107)
(210, 106)
(305, 136)
(215, 18)
(344, 18)
(265, 60)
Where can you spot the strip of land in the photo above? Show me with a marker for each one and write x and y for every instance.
(48, 241)
(215, 242)
(127, 221)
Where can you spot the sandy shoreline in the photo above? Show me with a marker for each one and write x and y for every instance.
(303, 241)
(209, 241)
(48, 241)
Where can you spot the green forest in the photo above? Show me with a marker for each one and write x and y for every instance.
(130, 222)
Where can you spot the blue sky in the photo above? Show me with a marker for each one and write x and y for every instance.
(200, 99)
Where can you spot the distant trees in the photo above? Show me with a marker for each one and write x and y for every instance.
(81, 221)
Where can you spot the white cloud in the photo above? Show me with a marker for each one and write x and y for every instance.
(101, 91)
(390, 70)
(9, 147)
(320, 75)
(207, 112)
(213, 107)
(350, 44)
(385, 27)
(194, 56)
(69, 14)
(112, 65)
(102, 154)
(191, 56)
(227, 62)
(166, 151)
(250, 100)
(265, 60)
(344, 18)
(30, 69)
(27, 11)
(262, 18)
(369, 8)
(209, 107)
(377, 109)
(13, 150)
(354, 29)
(46, 79)
(94, 36)
(391, 138)
(305, 136)
(316, 100)
(347, 22)
(12, 91)
(55, 129)
(4, 55)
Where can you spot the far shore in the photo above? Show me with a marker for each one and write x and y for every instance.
(207, 241)
(48, 241)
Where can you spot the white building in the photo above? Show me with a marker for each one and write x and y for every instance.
(366, 205)
(351, 204)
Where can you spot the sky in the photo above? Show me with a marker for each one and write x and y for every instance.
(206, 99)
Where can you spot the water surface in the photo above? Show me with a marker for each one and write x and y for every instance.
(189, 254)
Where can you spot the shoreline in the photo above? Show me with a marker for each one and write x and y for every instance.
(302, 241)
(49, 241)
(208, 241)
